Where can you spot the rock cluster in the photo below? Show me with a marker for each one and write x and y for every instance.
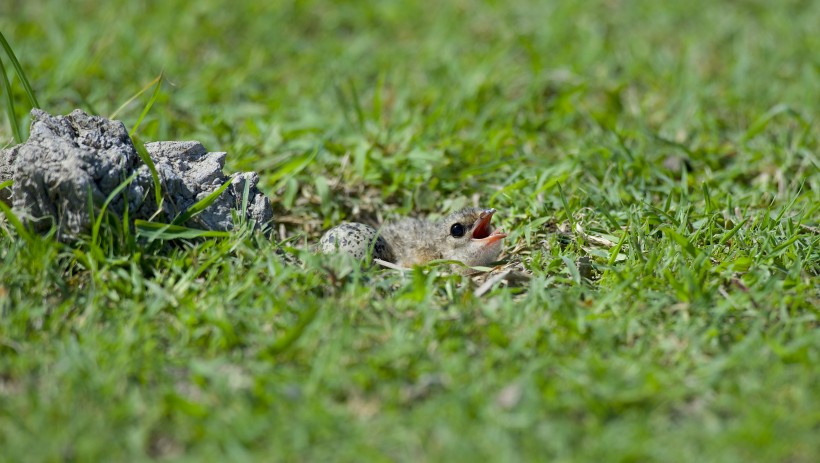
(71, 164)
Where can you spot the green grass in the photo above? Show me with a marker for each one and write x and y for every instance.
(696, 340)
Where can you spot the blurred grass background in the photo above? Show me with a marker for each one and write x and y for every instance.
(686, 131)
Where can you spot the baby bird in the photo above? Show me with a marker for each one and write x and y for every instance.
(465, 236)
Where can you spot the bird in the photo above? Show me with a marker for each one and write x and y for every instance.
(465, 235)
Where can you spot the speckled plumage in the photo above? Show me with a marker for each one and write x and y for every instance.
(411, 242)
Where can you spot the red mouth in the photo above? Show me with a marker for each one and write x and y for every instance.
(483, 231)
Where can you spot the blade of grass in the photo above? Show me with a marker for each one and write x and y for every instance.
(246, 192)
(19, 69)
(574, 273)
(613, 254)
(357, 104)
(570, 217)
(777, 249)
(289, 338)
(291, 168)
(728, 235)
(15, 125)
(128, 238)
(128, 101)
(146, 158)
(161, 231)
(377, 97)
(342, 100)
(147, 105)
(201, 205)
(681, 240)
(95, 230)
(761, 123)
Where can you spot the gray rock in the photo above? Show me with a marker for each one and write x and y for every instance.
(72, 161)
(7, 158)
(189, 173)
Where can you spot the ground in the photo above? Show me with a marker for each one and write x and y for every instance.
(666, 150)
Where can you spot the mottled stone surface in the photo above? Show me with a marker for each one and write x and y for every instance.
(72, 161)
(189, 173)
(7, 158)
(69, 162)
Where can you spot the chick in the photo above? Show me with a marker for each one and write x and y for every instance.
(465, 236)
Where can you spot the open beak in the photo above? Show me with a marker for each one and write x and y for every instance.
(482, 231)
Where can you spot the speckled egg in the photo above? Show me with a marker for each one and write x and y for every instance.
(355, 239)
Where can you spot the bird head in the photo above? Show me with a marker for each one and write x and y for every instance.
(469, 237)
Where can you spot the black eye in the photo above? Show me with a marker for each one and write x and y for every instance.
(457, 230)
